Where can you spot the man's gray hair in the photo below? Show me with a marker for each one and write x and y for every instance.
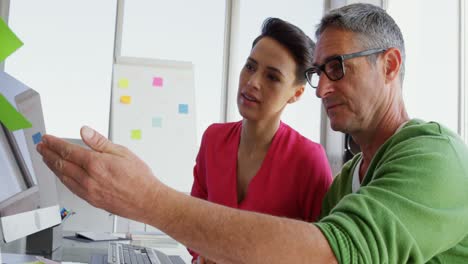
(376, 29)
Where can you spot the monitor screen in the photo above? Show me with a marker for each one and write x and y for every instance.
(15, 176)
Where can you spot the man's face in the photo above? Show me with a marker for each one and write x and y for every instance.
(353, 102)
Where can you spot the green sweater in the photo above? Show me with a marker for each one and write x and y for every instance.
(412, 206)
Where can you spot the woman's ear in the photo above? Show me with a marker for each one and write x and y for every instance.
(297, 94)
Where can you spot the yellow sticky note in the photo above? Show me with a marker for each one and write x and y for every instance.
(136, 134)
(125, 99)
(123, 83)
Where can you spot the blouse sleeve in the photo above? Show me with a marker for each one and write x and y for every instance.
(199, 188)
(319, 178)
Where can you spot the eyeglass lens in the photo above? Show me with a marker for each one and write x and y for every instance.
(333, 69)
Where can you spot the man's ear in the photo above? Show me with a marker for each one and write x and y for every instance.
(297, 94)
(392, 60)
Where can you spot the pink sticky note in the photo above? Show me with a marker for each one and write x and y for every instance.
(157, 81)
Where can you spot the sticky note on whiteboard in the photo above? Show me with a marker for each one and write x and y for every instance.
(157, 81)
(157, 122)
(125, 99)
(183, 109)
(123, 83)
(136, 134)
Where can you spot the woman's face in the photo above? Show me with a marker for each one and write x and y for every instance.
(267, 81)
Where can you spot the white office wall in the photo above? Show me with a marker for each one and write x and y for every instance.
(67, 58)
(181, 30)
(303, 115)
(431, 32)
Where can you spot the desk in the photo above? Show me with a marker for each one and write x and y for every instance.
(75, 251)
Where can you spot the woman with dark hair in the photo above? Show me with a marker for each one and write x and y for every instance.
(260, 163)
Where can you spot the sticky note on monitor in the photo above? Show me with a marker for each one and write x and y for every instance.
(9, 41)
(157, 81)
(123, 83)
(157, 122)
(37, 138)
(125, 99)
(136, 134)
(10, 118)
(183, 109)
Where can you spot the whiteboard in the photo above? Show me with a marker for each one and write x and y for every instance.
(153, 114)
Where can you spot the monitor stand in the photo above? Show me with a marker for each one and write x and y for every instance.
(45, 243)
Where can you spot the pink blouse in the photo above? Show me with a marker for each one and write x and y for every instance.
(291, 182)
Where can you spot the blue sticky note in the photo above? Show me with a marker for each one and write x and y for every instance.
(157, 122)
(37, 138)
(183, 108)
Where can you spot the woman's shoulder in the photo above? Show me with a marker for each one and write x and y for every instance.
(222, 130)
(298, 141)
(306, 157)
(220, 127)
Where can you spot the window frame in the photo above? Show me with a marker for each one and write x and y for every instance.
(463, 124)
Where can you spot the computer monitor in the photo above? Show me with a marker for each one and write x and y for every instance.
(28, 193)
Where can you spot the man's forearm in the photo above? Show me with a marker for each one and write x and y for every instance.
(228, 235)
(108, 176)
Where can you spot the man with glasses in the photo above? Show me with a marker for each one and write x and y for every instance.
(404, 199)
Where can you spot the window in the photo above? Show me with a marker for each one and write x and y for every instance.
(464, 65)
(304, 115)
(67, 57)
(431, 86)
(181, 30)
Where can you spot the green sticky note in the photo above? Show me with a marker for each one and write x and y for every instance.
(136, 134)
(9, 42)
(123, 83)
(12, 119)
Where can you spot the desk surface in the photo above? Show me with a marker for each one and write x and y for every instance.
(75, 251)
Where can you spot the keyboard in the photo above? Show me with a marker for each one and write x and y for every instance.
(131, 254)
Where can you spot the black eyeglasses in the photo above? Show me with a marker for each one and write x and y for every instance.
(333, 67)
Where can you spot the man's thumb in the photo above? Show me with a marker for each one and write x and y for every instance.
(96, 141)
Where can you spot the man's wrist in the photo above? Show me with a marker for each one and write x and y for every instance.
(154, 201)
